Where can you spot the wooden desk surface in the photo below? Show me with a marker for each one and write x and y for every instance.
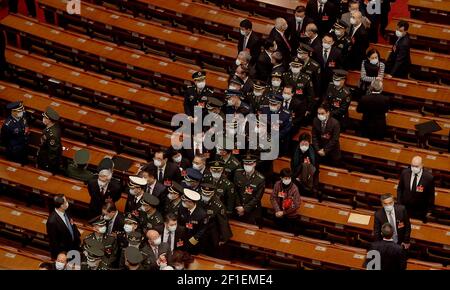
(13, 259)
(202, 262)
(423, 29)
(431, 4)
(112, 52)
(145, 28)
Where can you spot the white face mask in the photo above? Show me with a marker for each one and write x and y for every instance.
(200, 85)
(398, 33)
(415, 169)
(248, 168)
(133, 191)
(216, 175)
(298, 19)
(322, 117)
(171, 196)
(107, 218)
(374, 61)
(102, 183)
(273, 108)
(172, 228)
(287, 97)
(295, 70)
(276, 83)
(20, 115)
(157, 242)
(389, 208)
(338, 32)
(337, 83)
(179, 267)
(242, 32)
(352, 21)
(102, 230)
(326, 45)
(238, 62)
(234, 88)
(258, 93)
(157, 162)
(59, 265)
(128, 228)
(177, 159)
(197, 167)
(230, 102)
(92, 264)
(304, 148)
(206, 199)
(286, 181)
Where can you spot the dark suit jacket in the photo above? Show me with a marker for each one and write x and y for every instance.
(180, 236)
(357, 51)
(419, 203)
(297, 110)
(393, 257)
(328, 18)
(150, 258)
(263, 66)
(401, 220)
(59, 235)
(253, 45)
(328, 139)
(334, 61)
(399, 59)
(119, 221)
(113, 191)
(171, 172)
(294, 34)
(247, 87)
(281, 44)
(159, 190)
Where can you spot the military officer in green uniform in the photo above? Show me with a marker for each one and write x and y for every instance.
(173, 199)
(257, 97)
(218, 230)
(133, 259)
(149, 216)
(223, 188)
(303, 86)
(196, 95)
(50, 150)
(214, 107)
(338, 97)
(109, 242)
(249, 190)
(78, 168)
(276, 83)
(93, 254)
(131, 225)
(310, 66)
(135, 241)
(230, 162)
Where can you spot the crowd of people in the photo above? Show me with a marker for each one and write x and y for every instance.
(180, 203)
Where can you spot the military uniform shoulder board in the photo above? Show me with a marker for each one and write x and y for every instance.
(259, 175)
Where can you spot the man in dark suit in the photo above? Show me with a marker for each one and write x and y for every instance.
(297, 26)
(374, 107)
(324, 14)
(325, 136)
(114, 218)
(359, 42)
(295, 106)
(104, 187)
(166, 171)
(249, 41)
(155, 252)
(399, 59)
(397, 216)
(63, 234)
(172, 233)
(415, 190)
(264, 64)
(392, 255)
(329, 57)
(278, 64)
(153, 187)
(312, 36)
(281, 37)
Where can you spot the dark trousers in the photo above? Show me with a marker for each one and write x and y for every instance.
(31, 6)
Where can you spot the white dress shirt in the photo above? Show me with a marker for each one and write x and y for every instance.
(419, 175)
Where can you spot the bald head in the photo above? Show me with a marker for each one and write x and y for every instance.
(281, 24)
(416, 164)
(62, 258)
(152, 235)
(357, 16)
(311, 30)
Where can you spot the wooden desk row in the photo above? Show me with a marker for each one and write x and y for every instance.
(124, 60)
(318, 251)
(342, 217)
(98, 122)
(423, 34)
(430, 10)
(144, 32)
(424, 91)
(202, 262)
(267, 8)
(95, 86)
(14, 259)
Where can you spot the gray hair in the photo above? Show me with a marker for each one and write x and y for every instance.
(279, 22)
(387, 231)
(245, 55)
(376, 85)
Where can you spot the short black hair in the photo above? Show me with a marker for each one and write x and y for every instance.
(324, 106)
(58, 200)
(387, 230)
(170, 217)
(372, 51)
(404, 24)
(268, 44)
(247, 24)
(109, 206)
(300, 8)
(285, 172)
(329, 35)
(289, 85)
(45, 265)
(304, 137)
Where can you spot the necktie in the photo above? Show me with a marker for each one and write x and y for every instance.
(155, 250)
(245, 41)
(110, 227)
(325, 55)
(299, 26)
(414, 184)
(394, 226)
(286, 105)
(287, 43)
(169, 240)
(160, 175)
(321, 9)
(69, 226)
(323, 125)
